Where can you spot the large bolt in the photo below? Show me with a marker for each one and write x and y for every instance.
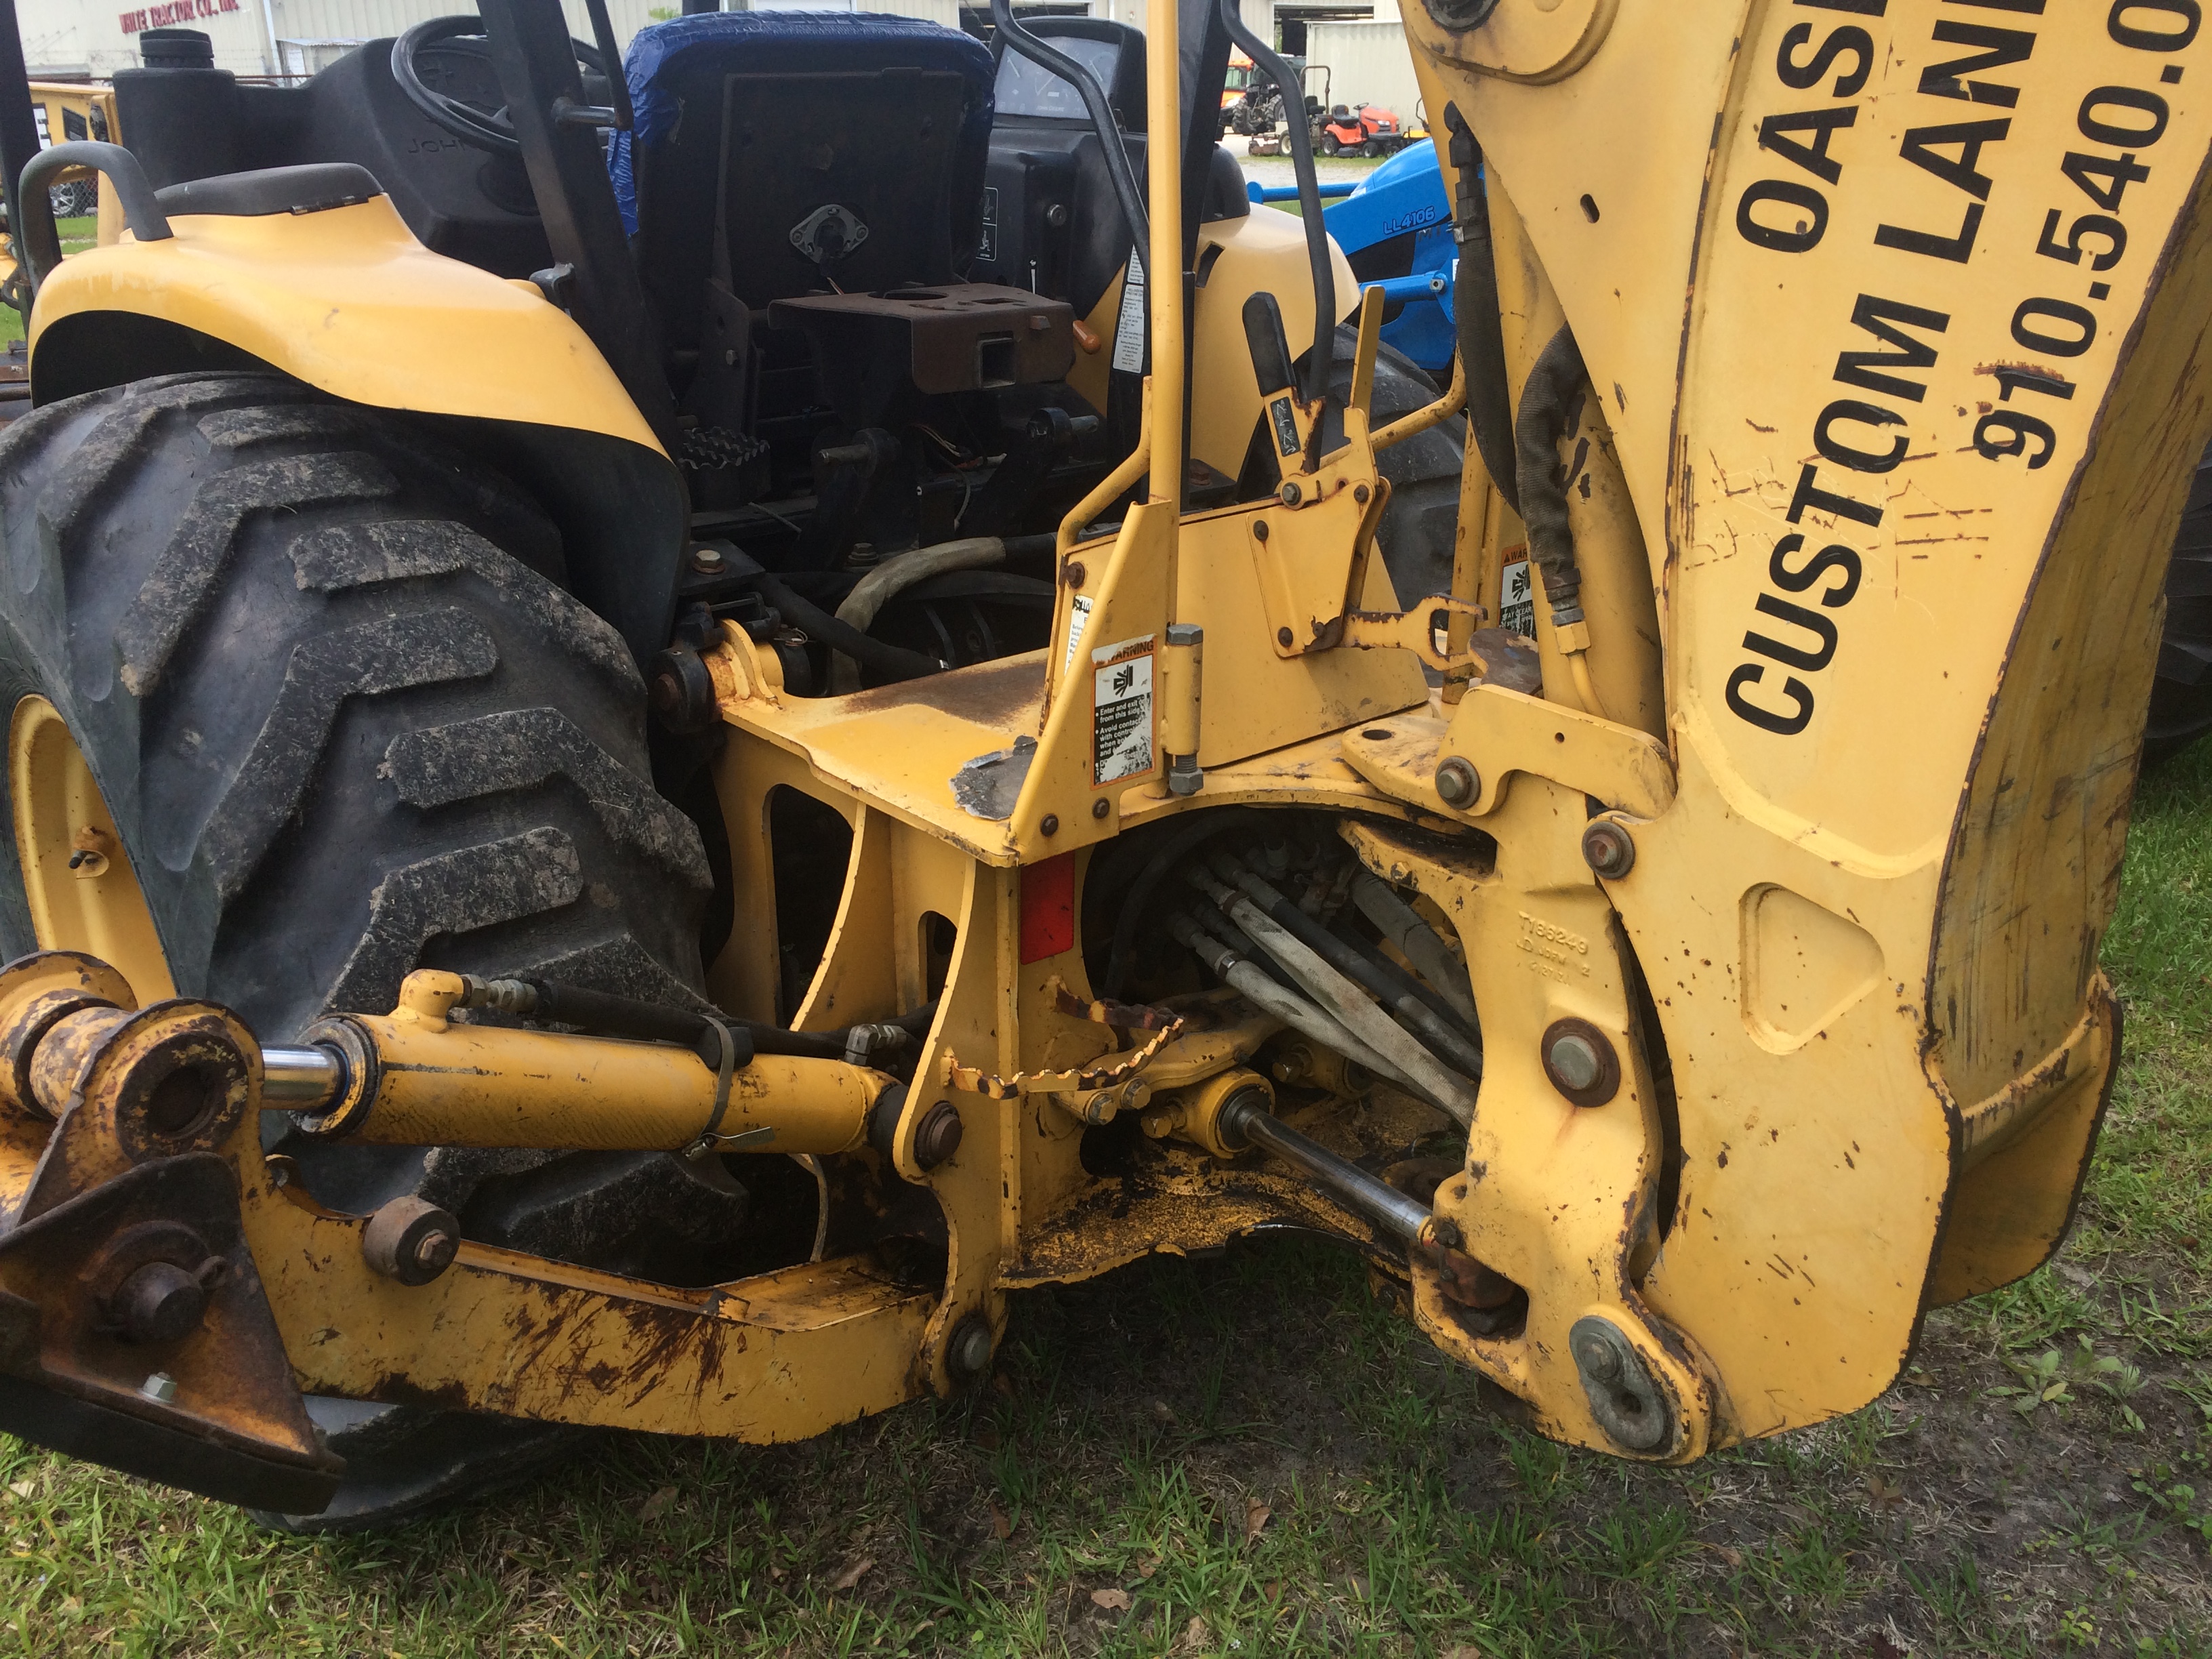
(1608, 849)
(1458, 784)
(161, 1388)
(937, 1136)
(159, 1303)
(1623, 1395)
(1291, 493)
(967, 1353)
(411, 1240)
(1574, 1061)
(1580, 1062)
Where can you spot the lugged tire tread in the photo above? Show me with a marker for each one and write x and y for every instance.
(469, 888)
(390, 653)
(317, 734)
(518, 749)
(206, 539)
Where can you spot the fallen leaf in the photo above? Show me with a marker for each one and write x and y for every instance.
(988, 1438)
(1004, 1384)
(656, 1505)
(1887, 1494)
(1255, 1516)
(1148, 1566)
(1000, 1526)
(1114, 1601)
(1195, 1634)
(1733, 1557)
(854, 1574)
(1162, 1412)
(1883, 1648)
(23, 1488)
(1463, 1652)
(776, 1573)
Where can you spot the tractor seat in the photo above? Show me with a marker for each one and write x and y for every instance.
(781, 154)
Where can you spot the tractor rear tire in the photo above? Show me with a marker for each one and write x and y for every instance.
(1419, 526)
(348, 723)
(2181, 695)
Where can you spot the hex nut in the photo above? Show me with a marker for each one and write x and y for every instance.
(1100, 807)
(1581, 1062)
(1623, 1396)
(1458, 784)
(1608, 849)
(161, 1388)
(411, 1240)
(1291, 493)
(968, 1352)
(937, 1136)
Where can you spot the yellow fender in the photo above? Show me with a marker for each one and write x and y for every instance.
(347, 301)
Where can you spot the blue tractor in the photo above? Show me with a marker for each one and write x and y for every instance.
(1394, 226)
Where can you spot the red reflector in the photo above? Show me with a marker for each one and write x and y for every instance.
(1048, 908)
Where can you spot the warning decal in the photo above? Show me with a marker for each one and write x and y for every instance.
(1516, 609)
(1122, 710)
(1129, 326)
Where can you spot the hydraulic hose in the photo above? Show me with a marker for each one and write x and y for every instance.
(1548, 402)
(1124, 177)
(1344, 1001)
(1243, 974)
(1475, 311)
(894, 576)
(1355, 965)
(1120, 955)
(1322, 357)
(889, 662)
(1399, 923)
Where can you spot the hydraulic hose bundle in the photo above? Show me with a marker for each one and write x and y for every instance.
(1306, 963)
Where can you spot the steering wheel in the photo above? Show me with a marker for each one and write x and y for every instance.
(487, 130)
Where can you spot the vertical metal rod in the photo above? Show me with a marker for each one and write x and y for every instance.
(1163, 258)
(19, 144)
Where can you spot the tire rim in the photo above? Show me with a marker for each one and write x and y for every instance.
(83, 893)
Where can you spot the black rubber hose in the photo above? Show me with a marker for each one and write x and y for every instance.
(886, 662)
(1102, 117)
(1548, 401)
(1449, 1045)
(603, 1014)
(1475, 311)
(1293, 90)
(1177, 846)
(1410, 983)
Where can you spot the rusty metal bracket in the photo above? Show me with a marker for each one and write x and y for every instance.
(1414, 631)
(1165, 1027)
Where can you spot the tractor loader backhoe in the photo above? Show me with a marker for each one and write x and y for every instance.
(557, 881)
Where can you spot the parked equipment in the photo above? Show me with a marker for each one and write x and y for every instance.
(646, 774)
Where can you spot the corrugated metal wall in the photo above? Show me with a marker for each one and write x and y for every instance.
(1368, 62)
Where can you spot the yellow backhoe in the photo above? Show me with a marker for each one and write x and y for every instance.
(676, 722)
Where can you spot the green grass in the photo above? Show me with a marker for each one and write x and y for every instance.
(1137, 1422)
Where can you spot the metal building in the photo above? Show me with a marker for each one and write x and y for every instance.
(71, 39)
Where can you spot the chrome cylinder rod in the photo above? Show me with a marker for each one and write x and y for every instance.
(1247, 1117)
(300, 1080)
